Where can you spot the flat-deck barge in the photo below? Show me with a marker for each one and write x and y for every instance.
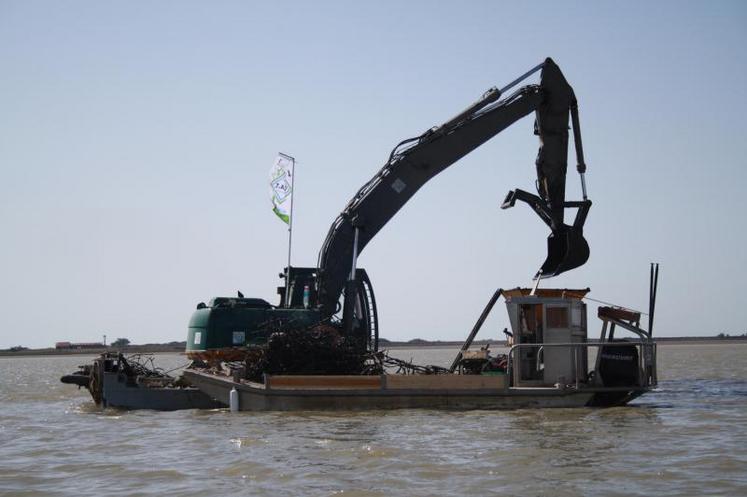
(550, 363)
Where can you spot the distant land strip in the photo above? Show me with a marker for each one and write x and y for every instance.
(153, 348)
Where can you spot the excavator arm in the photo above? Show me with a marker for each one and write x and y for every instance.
(415, 161)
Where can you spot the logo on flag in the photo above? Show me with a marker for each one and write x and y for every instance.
(281, 186)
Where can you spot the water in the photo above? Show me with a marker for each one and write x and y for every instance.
(688, 438)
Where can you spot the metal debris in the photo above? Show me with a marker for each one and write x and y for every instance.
(381, 362)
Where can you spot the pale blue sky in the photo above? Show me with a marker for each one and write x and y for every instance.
(136, 137)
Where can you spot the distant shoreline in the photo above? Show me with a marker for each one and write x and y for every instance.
(130, 349)
(383, 344)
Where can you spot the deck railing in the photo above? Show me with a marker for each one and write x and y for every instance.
(646, 366)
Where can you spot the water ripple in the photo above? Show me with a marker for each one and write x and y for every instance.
(687, 438)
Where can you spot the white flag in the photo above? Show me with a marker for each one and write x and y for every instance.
(281, 186)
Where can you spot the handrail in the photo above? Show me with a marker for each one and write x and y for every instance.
(540, 353)
(646, 358)
(583, 344)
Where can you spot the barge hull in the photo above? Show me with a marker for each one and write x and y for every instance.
(117, 393)
(261, 397)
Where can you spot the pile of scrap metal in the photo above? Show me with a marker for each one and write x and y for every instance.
(134, 382)
(317, 350)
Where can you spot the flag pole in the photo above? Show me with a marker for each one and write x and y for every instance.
(290, 230)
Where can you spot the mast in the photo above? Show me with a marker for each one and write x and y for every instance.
(290, 228)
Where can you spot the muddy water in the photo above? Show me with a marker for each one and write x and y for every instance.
(688, 438)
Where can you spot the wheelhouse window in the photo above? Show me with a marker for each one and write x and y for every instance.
(557, 317)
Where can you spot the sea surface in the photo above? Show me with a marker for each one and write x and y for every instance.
(688, 438)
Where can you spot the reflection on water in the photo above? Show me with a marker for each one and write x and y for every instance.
(687, 438)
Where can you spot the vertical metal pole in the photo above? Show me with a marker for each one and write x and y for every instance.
(653, 284)
(351, 289)
(355, 255)
(650, 296)
(510, 367)
(598, 359)
(290, 232)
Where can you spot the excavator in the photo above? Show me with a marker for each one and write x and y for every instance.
(338, 293)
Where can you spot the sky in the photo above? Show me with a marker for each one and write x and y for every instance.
(136, 140)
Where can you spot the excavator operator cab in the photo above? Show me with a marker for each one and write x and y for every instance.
(359, 323)
(542, 324)
(301, 291)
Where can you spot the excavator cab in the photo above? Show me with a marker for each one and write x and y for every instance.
(359, 318)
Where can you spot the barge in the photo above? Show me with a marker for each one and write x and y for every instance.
(319, 347)
(114, 380)
(550, 362)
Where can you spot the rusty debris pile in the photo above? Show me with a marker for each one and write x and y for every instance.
(131, 370)
(319, 350)
(142, 368)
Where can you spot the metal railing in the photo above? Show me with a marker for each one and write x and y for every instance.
(646, 367)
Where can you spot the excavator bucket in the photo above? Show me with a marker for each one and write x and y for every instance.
(566, 249)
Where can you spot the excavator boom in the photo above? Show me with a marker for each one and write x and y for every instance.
(415, 161)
